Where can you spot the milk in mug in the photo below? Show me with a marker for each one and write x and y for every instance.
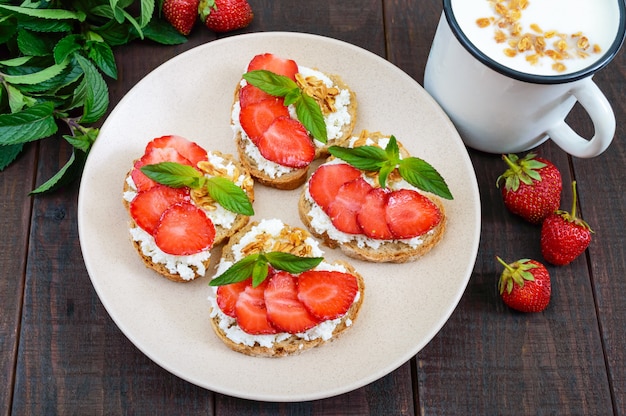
(540, 37)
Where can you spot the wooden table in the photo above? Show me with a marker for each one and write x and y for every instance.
(62, 354)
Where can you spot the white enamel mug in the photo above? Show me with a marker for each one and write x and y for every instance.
(497, 109)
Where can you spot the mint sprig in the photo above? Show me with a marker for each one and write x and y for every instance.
(308, 111)
(415, 171)
(257, 266)
(52, 76)
(221, 189)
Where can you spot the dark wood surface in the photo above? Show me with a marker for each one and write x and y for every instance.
(62, 354)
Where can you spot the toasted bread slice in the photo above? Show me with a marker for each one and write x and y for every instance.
(298, 241)
(280, 177)
(188, 268)
(360, 246)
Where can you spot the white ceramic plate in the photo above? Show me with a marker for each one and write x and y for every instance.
(191, 95)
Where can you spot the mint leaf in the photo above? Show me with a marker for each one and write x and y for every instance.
(271, 83)
(8, 153)
(229, 195)
(65, 175)
(173, 174)
(256, 266)
(28, 125)
(422, 175)
(162, 32)
(102, 55)
(310, 115)
(369, 158)
(97, 93)
(45, 13)
(37, 77)
(31, 44)
(238, 272)
(67, 46)
(292, 263)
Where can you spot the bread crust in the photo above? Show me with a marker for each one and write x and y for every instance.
(389, 251)
(293, 344)
(295, 177)
(222, 234)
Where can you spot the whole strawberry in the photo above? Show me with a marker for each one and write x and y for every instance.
(225, 15)
(181, 14)
(532, 187)
(564, 236)
(525, 285)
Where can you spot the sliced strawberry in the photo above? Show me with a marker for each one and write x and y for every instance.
(148, 206)
(371, 216)
(227, 296)
(327, 294)
(150, 157)
(284, 310)
(275, 64)
(287, 143)
(410, 214)
(257, 117)
(343, 210)
(249, 94)
(327, 179)
(191, 151)
(251, 311)
(184, 229)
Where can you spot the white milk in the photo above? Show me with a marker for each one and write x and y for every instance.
(598, 20)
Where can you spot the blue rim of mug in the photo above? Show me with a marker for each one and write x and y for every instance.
(532, 78)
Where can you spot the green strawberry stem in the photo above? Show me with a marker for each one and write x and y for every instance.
(574, 200)
(571, 216)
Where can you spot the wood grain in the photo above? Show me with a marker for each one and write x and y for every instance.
(62, 354)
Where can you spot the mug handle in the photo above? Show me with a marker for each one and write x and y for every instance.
(597, 106)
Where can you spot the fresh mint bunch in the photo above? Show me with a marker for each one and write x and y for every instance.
(308, 111)
(415, 171)
(54, 57)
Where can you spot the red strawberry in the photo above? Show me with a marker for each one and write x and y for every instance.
(564, 236)
(284, 310)
(251, 311)
(148, 206)
(256, 118)
(327, 179)
(184, 229)
(525, 285)
(227, 296)
(410, 214)
(191, 151)
(343, 210)
(372, 215)
(181, 14)
(532, 187)
(225, 15)
(287, 143)
(275, 64)
(249, 94)
(152, 156)
(327, 294)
